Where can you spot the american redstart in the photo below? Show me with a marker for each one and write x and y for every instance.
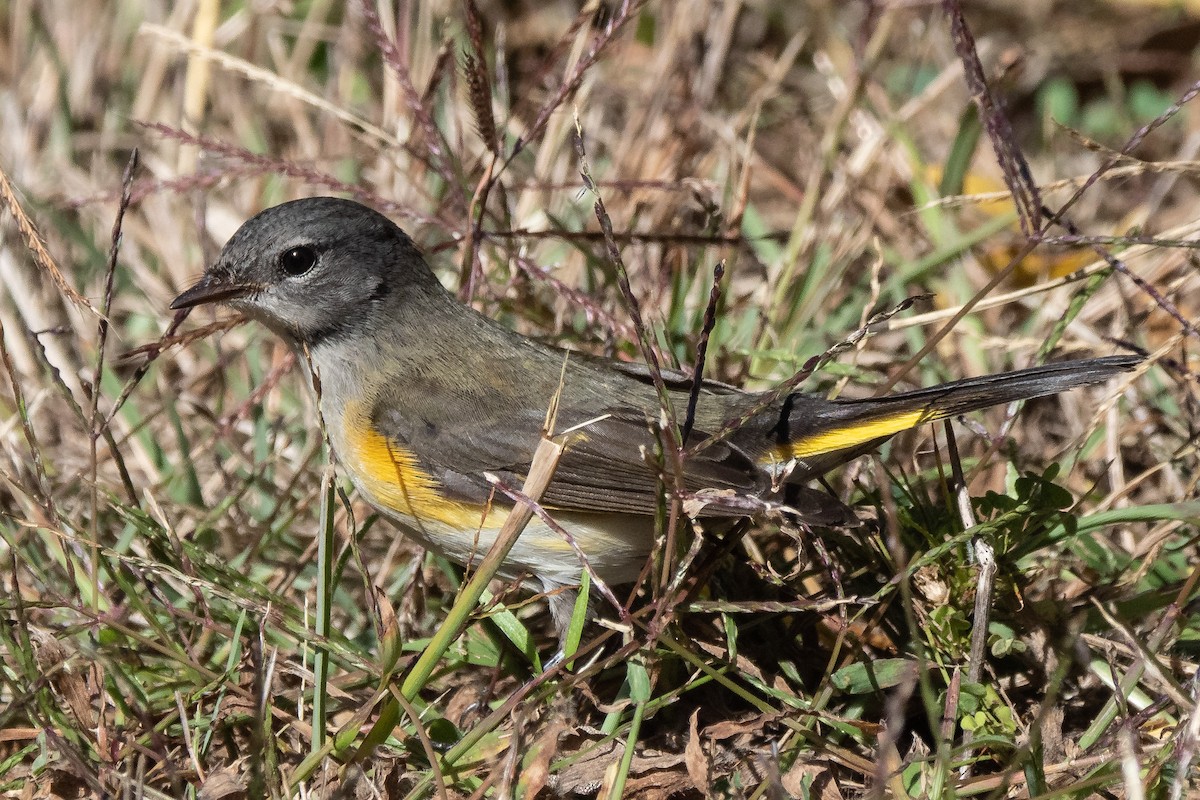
(422, 396)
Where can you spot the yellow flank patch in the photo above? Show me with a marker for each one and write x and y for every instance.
(392, 476)
(847, 436)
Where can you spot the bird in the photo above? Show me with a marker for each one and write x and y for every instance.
(424, 399)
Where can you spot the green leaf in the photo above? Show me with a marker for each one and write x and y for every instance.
(867, 677)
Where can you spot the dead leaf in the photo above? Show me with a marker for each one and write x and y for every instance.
(536, 775)
(731, 728)
(698, 766)
(819, 779)
(225, 783)
(68, 675)
(652, 773)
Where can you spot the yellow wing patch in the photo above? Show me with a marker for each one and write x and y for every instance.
(852, 435)
(392, 476)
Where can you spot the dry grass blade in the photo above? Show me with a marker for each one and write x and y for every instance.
(431, 138)
(710, 320)
(479, 84)
(270, 79)
(618, 20)
(648, 352)
(46, 495)
(96, 425)
(1013, 164)
(1076, 183)
(1122, 268)
(1132, 144)
(36, 248)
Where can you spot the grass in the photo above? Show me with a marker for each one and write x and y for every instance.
(192, 607)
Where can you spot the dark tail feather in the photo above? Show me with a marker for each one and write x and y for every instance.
(972, 394)
(854, 426)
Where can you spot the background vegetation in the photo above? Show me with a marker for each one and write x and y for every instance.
(163, 488)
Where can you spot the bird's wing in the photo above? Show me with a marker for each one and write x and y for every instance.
(618, 463)
(611, 463)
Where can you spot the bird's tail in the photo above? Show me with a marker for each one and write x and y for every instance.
(857, 425)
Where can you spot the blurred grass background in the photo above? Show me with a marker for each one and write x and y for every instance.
(159, 511)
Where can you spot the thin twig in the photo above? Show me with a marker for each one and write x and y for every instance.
(772, 397)
(95, 424)
(645, 344)
(710, 320)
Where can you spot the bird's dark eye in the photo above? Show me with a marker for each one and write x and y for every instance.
(298, 260)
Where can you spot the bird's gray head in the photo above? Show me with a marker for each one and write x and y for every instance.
(314, 269)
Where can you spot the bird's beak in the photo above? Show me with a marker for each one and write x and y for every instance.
(211, 289)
